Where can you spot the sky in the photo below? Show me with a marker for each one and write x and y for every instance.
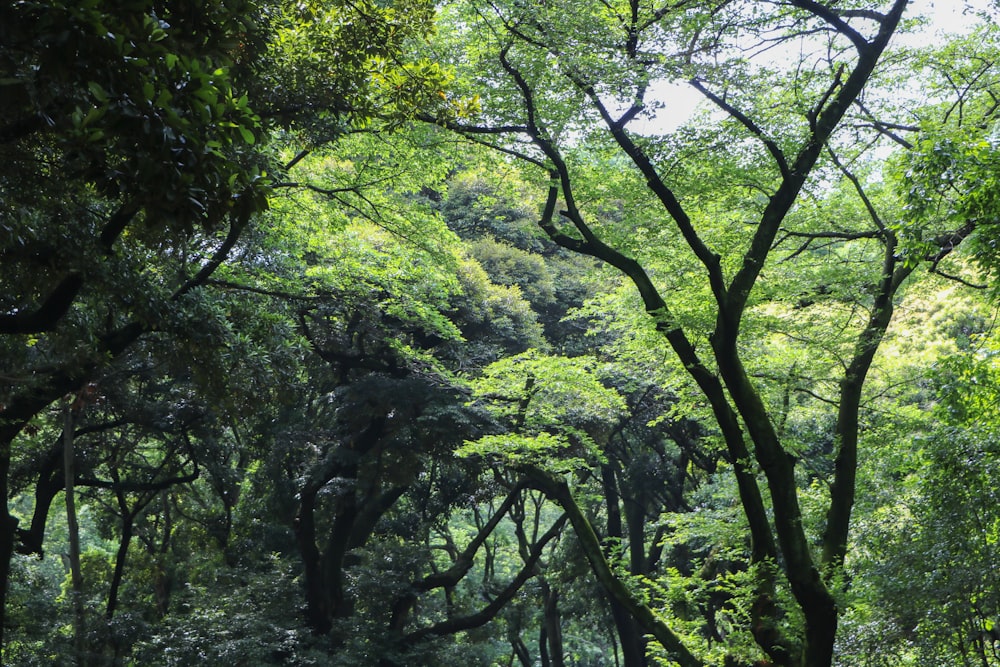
(947, 17)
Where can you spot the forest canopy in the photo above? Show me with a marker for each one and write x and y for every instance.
(401, 333)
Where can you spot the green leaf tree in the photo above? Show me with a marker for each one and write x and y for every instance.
(136, 133)
(710, 212)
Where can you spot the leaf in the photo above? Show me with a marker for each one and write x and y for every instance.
(97, 91)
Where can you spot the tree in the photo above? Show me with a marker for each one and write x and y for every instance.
(95, 153)
(924, 542)
(692, 380)
(567, 82)
(130, 185)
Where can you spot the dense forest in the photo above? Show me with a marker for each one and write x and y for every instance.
(500, 333)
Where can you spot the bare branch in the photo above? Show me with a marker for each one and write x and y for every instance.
(863, 14)
(466, 129)
(126, 485)
(301, 155)
(887, 128)
(238, 221)
(47, 315)
(812, 236)
(489, 612)
(265, 292)
(818, 108)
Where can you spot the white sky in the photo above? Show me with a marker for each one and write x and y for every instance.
(947, 17)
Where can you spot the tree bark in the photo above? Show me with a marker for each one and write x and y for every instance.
(24, 407)
(630, 637)
(558, 490)
(73, 528)
(520, 650)
(8, 523)
(488, 613)
(553, 625)
(119, 571)
(318, 616)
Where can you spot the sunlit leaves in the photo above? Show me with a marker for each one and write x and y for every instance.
(555, 407)
(333, 67)
(936, 541)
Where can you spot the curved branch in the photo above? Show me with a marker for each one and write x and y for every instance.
(836, 20)
(745, 120)
(46, 316)
(61, 299)
(958, 279)
(463, 563)
(488, 613)
(787, 193)
(126, 485)
(859, 189)
(842, 489)
(238, 221)
(886, 128)
(558, 491)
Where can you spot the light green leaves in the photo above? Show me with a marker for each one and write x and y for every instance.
(557, 410)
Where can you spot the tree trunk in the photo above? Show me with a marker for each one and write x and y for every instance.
(630, 636)
(317, 604)
(73, 527)
(8, 530)
(119, 573)
(164, 581)
(632, 640)
(821, 632)
(553, 625)
(520, 650)
(543, 645)
(558, 491)
(8, 524)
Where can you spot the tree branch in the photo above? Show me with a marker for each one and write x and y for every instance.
(558, 491)
(842, 489)
(125, 485)
(47, 315)
(238, 221)
(772, 147)
(835, 20)
(463, 563)
(860, 190)
(488, 613)
(935, 269)
(61, 299)
(787, 193)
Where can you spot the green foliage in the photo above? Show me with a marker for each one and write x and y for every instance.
(478, 207)
(167, 131)
(311, 432)
(497, 221)
(928, 523)
(949, 174)
(333, 67)
(556, 408)
(507, 265)
(234, 617)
